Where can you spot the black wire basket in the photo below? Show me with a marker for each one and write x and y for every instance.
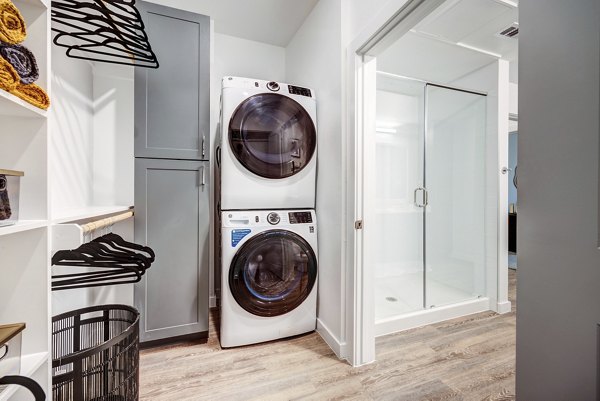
(95, 354)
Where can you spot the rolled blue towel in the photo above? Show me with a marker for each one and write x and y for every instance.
(23, 61)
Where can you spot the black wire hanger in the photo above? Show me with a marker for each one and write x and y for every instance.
(110, 31)
(107, 260)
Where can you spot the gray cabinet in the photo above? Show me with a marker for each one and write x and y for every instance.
(172, 102)
(172, 217)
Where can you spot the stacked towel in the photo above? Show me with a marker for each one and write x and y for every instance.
(18, 67)
(11, 82)
(22, 60)
(12, 25)
(33, 94)
(9, 78)
(5, 210)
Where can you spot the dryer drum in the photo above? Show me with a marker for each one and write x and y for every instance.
(273, 273)
(272, 135)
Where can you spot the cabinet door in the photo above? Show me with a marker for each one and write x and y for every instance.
(172, 102)
(172, 217)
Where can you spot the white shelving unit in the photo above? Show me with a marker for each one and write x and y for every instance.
(24, 247)
(10, 105)
(91, 212)
(72, 175)
(23, 225)
(29, 365)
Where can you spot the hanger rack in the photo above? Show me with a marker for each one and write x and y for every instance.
(110, 31)
(99, 261)
(70, 236)
(107, 222)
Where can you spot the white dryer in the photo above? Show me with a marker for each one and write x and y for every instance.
(268, 145)
(269, 275)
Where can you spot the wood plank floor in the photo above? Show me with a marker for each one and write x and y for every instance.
(471, 358)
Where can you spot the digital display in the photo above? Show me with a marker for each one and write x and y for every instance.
(300, 217)
(297, 90)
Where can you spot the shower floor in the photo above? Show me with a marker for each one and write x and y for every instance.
(397, 295)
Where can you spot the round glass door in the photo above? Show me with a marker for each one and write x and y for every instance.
(272, 135)
(273, 273)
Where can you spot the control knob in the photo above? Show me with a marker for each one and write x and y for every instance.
(273, 86)
(273, 218)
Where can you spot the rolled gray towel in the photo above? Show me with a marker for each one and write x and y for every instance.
(23, 61)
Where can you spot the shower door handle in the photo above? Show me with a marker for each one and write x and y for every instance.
(425, 197)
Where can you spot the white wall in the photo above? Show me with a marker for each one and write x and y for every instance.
(514, 98)
(71, 138)
(361, 13)
(314, 59)
(113, 165)
(234, 56)
(494, 80)
(91, 155)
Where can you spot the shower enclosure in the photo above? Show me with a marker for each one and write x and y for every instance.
(430, 199)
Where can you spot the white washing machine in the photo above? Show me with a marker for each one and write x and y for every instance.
(269, 275)
(268, 145)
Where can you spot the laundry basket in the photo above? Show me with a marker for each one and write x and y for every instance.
(95, 354)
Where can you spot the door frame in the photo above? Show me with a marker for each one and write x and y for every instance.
(359, 120)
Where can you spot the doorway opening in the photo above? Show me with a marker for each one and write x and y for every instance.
(432, 142)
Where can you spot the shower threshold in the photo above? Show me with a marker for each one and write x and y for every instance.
(425, 317)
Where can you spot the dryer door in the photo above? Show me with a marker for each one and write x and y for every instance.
(272, 135)
(273, 273)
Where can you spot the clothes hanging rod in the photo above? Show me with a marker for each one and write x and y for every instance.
(106, 222)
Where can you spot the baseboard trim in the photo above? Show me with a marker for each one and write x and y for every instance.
(194, 337)
(338, 347)
(503, 307)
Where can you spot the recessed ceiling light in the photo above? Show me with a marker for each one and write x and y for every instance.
(466, 46)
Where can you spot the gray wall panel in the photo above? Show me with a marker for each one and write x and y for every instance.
(558, 288)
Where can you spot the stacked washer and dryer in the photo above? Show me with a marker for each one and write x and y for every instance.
(267, 163)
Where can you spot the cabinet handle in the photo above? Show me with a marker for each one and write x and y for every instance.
(202, 176)
(203, 145)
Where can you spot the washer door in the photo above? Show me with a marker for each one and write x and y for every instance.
(272, 135)
(273, 273)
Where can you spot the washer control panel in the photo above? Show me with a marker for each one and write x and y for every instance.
(239, 219)
(297, 90)
(300, 217)
(273, 218)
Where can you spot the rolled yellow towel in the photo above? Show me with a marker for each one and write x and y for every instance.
(33, 94)
(9, 78)
(12, 25)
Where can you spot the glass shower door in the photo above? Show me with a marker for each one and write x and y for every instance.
(398, 227)
(454, 254)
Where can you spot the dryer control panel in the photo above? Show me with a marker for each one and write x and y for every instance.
(259, 86)
(300, 217)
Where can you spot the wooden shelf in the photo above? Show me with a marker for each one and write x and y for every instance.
(91, 212)
(29, 365)
(23, 225)
(10, 105)
(37, 3)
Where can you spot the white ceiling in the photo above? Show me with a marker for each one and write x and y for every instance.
(269, 21)
(457, 38)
